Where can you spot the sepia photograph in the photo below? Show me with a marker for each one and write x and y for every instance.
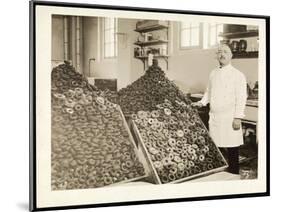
(138, 106)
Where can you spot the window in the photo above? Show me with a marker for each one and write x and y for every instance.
(190, 35)
(110, 37)
(214, 29)
(200, 35)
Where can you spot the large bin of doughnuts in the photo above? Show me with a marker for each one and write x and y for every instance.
(175, 143)
(91, 143)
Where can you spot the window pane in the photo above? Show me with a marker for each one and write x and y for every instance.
(195, 24)
(112, 50)
(195, 37)
(106, 23)
(112, 23)
(213, 36)
(112, 35)
(110, 38)
(190, 33)
(116, 49)
(185, 38)
(107, 50)
(107, 36)
(185, 25)
(219, 29)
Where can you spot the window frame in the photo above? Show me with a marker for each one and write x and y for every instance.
(200, 46)
(115, 42)
(210, 25)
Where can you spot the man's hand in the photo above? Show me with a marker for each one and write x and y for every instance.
(236, 124)
(196, 104)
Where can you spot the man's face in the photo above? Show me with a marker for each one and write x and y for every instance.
(224, 55)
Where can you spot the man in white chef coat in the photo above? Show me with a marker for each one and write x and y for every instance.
(227, 94)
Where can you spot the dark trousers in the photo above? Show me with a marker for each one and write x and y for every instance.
(232, 155)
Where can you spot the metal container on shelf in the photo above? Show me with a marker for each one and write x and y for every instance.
(234, 46)
(242, 45)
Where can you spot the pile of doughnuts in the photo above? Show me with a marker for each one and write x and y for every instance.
(176, 141)
(91, 145)
(148, 91)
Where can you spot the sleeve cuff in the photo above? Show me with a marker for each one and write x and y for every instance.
(239, 116)
(204, 103)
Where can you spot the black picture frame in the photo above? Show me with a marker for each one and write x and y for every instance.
(33, 108)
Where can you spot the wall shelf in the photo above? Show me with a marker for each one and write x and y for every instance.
(150, 43)
(151, 28)
(253, 33)
(144, 59)
(155, 56)
(240, 55)
(144, 45)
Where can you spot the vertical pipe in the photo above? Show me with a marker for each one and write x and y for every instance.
(73, 41)
(78, 44)
(65, 38)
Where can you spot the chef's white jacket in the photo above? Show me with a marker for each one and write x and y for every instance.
(227, 94)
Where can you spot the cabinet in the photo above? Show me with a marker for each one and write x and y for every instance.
(153, 39)
(241, 33)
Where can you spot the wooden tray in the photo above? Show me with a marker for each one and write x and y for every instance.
(153, 171)
(136, 152)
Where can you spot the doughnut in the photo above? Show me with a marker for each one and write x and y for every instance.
(158, 157)
(57, 118)
(194, 146)
(209, 160)
(172, 142)
(167, 111)
(201, 158)
(181, 166)
(141, 114)
(78, 107)
(210, 154)
(69, 110)
(179, 143)
(164, 179)
(155, 114)
(166, 161)
(191, 163)
(184, 155)
(107, 180)
(102, 107)
(171, 177)
(134, 116)
(180, 133)
(177, 159)
(158, 165)
(171, 156)
(100, 100)
(210, 166)
(173, 170)
(129, 164)
(197, 169)
(180, 174)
